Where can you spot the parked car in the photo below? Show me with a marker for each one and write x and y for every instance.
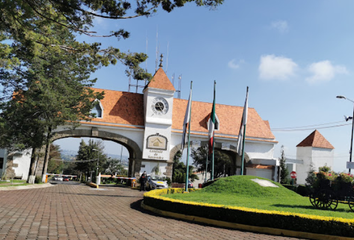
(156, 182)
(66, 179)
(58, 178)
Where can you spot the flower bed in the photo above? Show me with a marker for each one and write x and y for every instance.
(253, 217)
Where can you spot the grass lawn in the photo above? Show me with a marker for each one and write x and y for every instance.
(241, 191)
(13, 183)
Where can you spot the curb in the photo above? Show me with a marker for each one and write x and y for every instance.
(91, 184)
(32, 186)
(266, 230)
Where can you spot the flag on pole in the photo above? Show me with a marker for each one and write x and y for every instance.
(187, 119)
(212, 125)
(242, 133)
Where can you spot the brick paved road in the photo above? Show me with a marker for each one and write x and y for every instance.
(78, 212)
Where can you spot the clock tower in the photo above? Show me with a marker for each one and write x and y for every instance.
(158, 105)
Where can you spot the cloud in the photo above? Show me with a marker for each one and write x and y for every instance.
(276, 68)
(235, 65)
(281, 26)
(324, 71)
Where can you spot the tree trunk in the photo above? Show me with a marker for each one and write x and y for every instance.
(31, 172)
(46, 156)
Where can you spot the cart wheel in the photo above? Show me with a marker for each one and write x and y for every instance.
(334, 204)
(324, 199)
(351, 203)
(313, 200)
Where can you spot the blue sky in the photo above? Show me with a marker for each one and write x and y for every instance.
(295, 56)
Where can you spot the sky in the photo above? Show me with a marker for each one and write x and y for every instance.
(295, 56)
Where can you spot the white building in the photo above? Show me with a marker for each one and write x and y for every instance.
(313, 152)
(150, 126)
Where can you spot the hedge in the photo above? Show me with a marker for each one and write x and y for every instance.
(248, 216)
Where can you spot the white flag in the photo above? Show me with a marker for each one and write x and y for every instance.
(242, 127)
(187, 120)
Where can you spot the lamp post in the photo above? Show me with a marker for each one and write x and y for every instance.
(98, 159)
(351, 140)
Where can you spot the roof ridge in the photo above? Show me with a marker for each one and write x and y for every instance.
(161, 81)
(315, 139)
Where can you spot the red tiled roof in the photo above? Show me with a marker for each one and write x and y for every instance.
(315, 139)
(122, 108)
(229, 117)
(161, 81)
(128, 108)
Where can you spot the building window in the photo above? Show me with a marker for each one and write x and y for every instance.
(97, 109)
(1, 162)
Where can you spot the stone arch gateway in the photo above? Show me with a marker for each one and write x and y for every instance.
(150, 126)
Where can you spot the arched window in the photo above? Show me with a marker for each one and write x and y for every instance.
(97, 109)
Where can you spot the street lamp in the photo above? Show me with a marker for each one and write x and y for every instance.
(351, 140)
(98, 159)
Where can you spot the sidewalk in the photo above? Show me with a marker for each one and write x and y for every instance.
(14, 187)
(68, 211)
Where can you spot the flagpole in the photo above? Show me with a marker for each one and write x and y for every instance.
(206, 166)
(243, 150)
(212, 156)
(189, 131)
(243, 125)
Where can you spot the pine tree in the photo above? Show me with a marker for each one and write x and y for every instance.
(222, 161)
(284, 172)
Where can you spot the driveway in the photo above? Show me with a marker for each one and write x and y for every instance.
(68, 211)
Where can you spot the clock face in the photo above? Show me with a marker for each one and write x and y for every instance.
(159, 106)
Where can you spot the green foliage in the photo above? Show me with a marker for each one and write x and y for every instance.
(91, 158)
(222, 161)
(252, 216)
(284, 172)
(243, 185)
(38, 179)
(179, 170)
(311, 176)
(55, 165)
(114, 166)
(325, 169)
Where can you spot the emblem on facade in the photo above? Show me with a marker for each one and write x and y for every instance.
(156, 141)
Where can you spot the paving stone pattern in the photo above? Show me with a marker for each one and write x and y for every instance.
(68, 211)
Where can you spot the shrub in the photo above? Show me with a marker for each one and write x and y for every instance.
(254, 217)
(38, 179)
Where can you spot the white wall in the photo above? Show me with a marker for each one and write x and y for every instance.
(150, 165)
(3, 166)
(265, 173)
(23, 161)
(312, 158)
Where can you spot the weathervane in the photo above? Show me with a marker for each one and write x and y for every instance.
(161, 60)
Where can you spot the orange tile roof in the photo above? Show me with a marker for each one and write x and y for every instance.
(122, 108)
(315, 139)
(229, 117)
(161, 81)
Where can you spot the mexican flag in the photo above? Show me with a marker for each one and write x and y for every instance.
(212, 126)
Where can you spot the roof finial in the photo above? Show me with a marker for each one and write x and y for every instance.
(161, 60)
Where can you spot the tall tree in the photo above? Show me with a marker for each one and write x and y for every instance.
(20, 21)
(52, 88)
(179, 170)
(284, 172)
(222, 161)
(91, 156)
(54, 164)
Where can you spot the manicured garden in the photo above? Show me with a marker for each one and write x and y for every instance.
(248, 201)
(240, 191)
